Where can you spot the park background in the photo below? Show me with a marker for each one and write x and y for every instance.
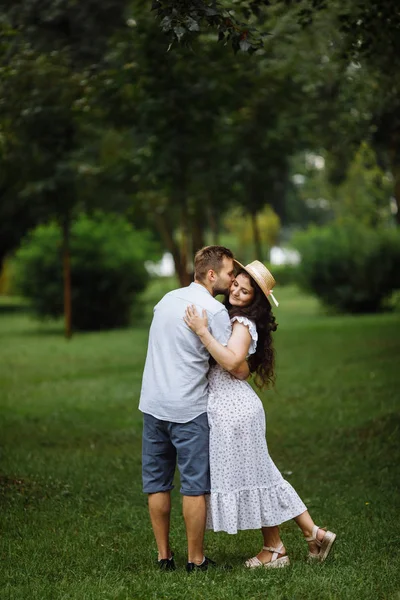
(132, 131)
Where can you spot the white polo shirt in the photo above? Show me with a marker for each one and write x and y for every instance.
(174, 385)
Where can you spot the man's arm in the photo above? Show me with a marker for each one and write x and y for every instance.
(221, 327)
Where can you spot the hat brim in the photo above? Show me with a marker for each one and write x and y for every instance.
(238, 264)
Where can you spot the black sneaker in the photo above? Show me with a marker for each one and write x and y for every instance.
(166, 564)
(207, 562)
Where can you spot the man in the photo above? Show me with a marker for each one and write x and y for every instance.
(174, 402)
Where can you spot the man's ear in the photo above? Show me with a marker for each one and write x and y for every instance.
(212, 276)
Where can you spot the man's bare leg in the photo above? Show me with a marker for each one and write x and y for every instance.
(160, 512)
(194, 513)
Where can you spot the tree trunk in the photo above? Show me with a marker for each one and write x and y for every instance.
(198, 225)
(185, 276)
(166, 234)
(67, 278)
(197, 236)
(256, 237)
(396, 175)
(213, 223)
(395, 165)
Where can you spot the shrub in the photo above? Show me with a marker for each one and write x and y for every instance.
(284, 274)
(351, 267)
(107, 270)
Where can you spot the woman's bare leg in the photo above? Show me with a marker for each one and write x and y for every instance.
(306, 524)
(272, 538)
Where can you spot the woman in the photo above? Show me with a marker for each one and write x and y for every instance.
(247, 490)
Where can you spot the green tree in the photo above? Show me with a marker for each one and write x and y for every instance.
(173, 108)
(50, 52)
(183, 20)
(365, 193)
(108, 275)
(357, 43)
(241, 226)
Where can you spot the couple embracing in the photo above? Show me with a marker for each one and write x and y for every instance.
(199, 413)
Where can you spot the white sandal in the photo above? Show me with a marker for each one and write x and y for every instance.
(275, 563)
(324, 545)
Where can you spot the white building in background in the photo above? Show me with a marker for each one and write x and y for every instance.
(283, 256)
(164, 268)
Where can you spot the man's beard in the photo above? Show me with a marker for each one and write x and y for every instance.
(217, 290)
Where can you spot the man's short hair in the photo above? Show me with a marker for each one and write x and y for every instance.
(209, 257)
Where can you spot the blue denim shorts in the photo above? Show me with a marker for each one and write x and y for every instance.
(166, 444)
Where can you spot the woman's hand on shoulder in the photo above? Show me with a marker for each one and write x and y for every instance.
(197, 323)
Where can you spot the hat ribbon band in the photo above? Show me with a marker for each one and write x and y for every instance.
(273, 297)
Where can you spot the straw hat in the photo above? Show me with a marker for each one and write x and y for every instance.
(261, 276)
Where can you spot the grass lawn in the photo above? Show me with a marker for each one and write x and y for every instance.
(74, 522)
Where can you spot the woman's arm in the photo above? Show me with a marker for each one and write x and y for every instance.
(242, 372)
(230, 357)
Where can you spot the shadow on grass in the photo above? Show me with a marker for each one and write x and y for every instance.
(37, 331)
(376, 440)
(42, 329)
(361, 459)
(14, 308)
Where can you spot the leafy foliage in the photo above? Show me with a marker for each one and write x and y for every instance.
(82, 28)
(349, 266)
(107, 264)
(367, 26)
(365, 193)
(51, 52)
(96, 112)
(285, 274)
(348, 49)
(183, 20)
(175, 109)
(241, 226)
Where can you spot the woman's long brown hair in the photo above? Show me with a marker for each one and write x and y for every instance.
(262, 362)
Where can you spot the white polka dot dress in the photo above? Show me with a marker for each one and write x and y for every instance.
(247, 490)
